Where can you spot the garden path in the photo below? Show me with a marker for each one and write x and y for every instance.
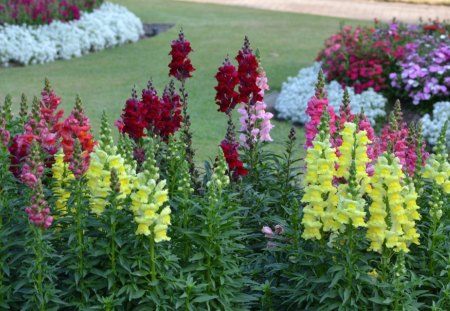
(355, 9)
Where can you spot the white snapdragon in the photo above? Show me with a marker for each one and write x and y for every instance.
(432, 125)
(296, 92)
(109, 25)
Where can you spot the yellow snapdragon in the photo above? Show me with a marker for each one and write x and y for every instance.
(438, 170)
(393, 211)
(352, 163)
(62, 177)
(99, 177)
(149, 198)
(147, 205)
(320, 194)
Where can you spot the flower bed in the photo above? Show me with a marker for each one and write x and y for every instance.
(87, 223)
(36, 12)
(108, 26)
(386, 62)
(413, 59)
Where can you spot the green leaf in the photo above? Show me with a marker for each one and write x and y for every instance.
(204, 298)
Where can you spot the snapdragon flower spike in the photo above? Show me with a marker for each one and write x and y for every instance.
(352, 162)
(132, 121)
(180, 65)
(170, 115)
(316, 107)
(230, 150)
(49, 108)
(62, 178)
(438, 170)
(227, 78)
(5, 136)
(77, 126)
(249, 92)
(395, 134)
(33, 168)
(393, 211)
(78, 164)
(320, 194)
(219, 178)
(149, 198)
(23, 112)
(43, 126)
(39, 212)
(255, 120)
(6, 110)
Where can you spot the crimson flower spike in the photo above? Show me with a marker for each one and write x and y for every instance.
(180, 65)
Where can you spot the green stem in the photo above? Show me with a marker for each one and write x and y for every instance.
(152, 259)
(384, 263)
(113, 245)
(1, 251)
(350, 257)
(39, 269)
(79, 231)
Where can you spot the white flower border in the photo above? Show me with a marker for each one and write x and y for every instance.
(109, 25)
(295, 93)
(433, 124)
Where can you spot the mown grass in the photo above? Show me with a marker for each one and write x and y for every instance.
(286, 42)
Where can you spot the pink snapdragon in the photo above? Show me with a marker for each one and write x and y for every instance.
(255, 120)
(39, 212)
(271, 234)
(316, 106)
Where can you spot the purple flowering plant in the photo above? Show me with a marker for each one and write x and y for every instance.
(424, 75)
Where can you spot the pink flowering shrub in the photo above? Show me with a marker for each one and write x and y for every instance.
(36, 12)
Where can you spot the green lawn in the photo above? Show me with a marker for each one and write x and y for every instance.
(286, 41)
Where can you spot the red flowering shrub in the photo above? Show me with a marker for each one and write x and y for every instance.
(355, 57)
(44, 11)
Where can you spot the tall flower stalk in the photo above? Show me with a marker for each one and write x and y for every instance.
(181, 69)
(320, 194)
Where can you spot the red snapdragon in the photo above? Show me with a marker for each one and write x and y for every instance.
(159, 116)
(133, 120)
(249, 92)
(230, 151)
(170, 117)
(227, 79)
(180, 65)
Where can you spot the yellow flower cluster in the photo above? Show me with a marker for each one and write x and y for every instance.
(320, 194)
(147, 204)
(438, 169)
(99, 177)
(62, 177)
(393, 211)
(352, 164)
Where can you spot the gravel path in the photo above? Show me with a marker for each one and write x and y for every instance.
(356, 9)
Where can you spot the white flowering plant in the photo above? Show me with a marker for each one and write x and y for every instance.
(297, 91)
(432, 124)
(108, 26)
